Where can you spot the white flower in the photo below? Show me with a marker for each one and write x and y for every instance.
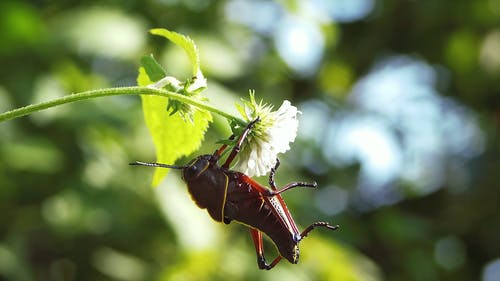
(270, 136)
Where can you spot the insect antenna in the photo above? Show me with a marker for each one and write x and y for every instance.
(138, 163)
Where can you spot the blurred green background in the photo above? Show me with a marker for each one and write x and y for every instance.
(399, 126)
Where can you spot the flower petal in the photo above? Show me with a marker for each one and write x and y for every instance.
(270, 136)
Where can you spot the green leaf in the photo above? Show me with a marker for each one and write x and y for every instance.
(153, 69)
(172, 136)
(185, 43)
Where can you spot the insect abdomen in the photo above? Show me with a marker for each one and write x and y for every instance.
(246, 205)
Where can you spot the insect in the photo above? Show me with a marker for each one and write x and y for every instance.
(230, 195)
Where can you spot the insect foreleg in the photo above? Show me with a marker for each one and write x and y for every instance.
(221, 150)
(259, 249)
(237, 147)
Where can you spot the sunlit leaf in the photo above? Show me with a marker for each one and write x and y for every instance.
(185, 43)
(198, 82)
(173, 137)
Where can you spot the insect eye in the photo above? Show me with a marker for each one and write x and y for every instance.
(191, 170)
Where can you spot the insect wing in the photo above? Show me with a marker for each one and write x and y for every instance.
(276, 201)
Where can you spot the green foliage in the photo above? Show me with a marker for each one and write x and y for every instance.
(173, 135)
(153, 69)
(185, 43)
(72, 209)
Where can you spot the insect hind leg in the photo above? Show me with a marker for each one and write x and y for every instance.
(259, 249)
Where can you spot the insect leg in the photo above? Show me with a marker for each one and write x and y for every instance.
(292, 185)
(237, 147)
(317, 224)
(259, 248)
(272, 183)
(219, 151)
(275, 190)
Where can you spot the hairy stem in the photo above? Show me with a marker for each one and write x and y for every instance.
(22, 111)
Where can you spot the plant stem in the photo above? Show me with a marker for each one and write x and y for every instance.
(22, 111)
